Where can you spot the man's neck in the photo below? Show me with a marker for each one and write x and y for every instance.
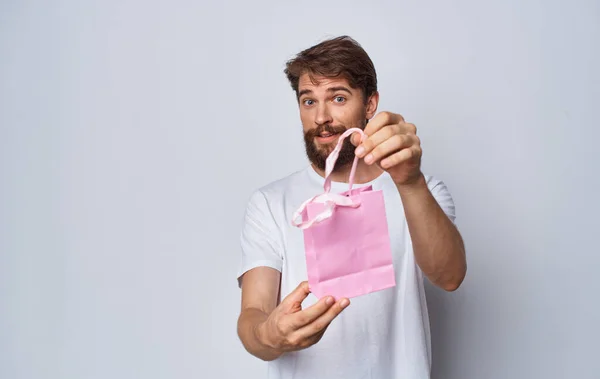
(363, 174)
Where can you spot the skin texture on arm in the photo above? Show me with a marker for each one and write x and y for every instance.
(438, 246)
(260, 289)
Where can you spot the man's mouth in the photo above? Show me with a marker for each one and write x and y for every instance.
(327, 134)
(327, 137)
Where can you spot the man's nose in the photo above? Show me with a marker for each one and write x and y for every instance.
(323, 115)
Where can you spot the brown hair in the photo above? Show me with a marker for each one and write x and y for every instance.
(338, 57)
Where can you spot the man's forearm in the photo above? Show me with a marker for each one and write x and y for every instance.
(438, 247)
(250, 333)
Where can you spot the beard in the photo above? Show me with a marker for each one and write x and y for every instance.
(317, 153)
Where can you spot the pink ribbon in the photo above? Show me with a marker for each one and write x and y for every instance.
(331, 200)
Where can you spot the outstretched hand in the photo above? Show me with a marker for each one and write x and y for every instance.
(290, 328)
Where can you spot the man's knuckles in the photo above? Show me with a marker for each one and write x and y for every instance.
(319, 325)
(283, 328)
(385, 117)
(294, 340)
(411, 128)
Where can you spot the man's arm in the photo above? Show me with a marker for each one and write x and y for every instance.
(260, 288)
(438, 246)
(394, 146)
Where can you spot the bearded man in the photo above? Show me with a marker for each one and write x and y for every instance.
(382, 335)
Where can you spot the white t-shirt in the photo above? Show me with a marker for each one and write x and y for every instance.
(382, 335)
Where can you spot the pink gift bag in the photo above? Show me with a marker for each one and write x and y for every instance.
(346, 237)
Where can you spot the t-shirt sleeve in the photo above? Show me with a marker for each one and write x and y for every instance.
(260, 237)
(442, 195)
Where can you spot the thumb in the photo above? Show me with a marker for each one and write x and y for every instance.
(355, 138)
(295, 298)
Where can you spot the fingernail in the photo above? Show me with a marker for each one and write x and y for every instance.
(329, 301)
(359, 150)
(369, 158)
(344, 303)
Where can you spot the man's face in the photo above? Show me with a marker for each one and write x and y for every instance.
(327, 109)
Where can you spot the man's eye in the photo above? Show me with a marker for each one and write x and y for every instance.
(339, 99)
(308, 102)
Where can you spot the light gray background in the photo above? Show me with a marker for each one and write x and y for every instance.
(132, 133)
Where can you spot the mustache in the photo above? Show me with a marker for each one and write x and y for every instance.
(325, 128)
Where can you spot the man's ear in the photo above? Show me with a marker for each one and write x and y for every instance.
(372, 104)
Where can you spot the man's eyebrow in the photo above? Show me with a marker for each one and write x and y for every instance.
(304, 92)
(339, 88)
(330, 89)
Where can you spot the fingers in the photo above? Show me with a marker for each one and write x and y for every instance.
(380, 136)
(355, 138)
(388, 146)
(322, 322)
(381, 120)
(297, 296)
(384, 134)
(292, 339)
(401, 156)
(310, 314)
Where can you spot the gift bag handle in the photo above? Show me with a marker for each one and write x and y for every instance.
(331, 200)
(332, 158)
